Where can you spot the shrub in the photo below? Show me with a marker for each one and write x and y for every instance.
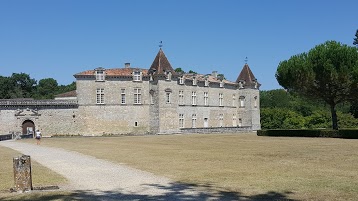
(346, 133)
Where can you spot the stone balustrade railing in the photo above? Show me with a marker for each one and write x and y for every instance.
(32, 102)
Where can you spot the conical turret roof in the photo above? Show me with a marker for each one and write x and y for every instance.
(161, 64)
(247, 77)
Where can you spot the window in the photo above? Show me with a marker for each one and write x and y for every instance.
(206, 99)
(137, 96)
(221, 119)
(234, 123)
(222, 84)
(240, 122)
(221, 101)
(123, 96)
(151, 98)
(233, 100)
(242, 101)
(169, 75)
(181, 120)
(136, 124)
(194, 81)
(193, 121)
(206, 83)
(255, 101)
(193, 98)
(100, 74)
(137, 76)
(100, 96)
(241, 85)
(167, 97)
(181, 97)
(181, 80)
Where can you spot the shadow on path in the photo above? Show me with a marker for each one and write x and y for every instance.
(175, 191)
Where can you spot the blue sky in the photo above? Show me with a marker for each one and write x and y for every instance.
(59, 38)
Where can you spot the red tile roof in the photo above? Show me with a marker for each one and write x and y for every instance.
(67, 94)
(201, 77)
(116, 72)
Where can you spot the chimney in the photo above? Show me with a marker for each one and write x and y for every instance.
(214, 74)
(127, 65)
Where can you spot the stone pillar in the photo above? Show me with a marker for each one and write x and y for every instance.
(22, 173)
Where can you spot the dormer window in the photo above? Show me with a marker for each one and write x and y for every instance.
(241, 84)
(181, 80)
(194, 81)
(221, 83)
(169, 75)
(206, 82)
(137, 76)
(100, 74)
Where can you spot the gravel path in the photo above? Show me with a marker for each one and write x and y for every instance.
(104, 180)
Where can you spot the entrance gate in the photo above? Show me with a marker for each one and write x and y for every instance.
(28, 127)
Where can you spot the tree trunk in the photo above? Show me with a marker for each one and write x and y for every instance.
(334, 117)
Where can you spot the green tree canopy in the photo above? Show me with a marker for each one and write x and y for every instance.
(47, 88)
(355, 40)
(22, 85)
(179, 70)
(6, 86)
(328, 72)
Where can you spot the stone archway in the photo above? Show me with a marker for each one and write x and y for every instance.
(28, 127)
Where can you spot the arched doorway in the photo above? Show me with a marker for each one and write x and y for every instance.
(28, 127)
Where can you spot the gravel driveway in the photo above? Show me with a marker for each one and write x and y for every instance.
(104, 180)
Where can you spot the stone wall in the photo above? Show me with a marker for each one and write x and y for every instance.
(216, 130)
(49, 120)
(113, 117)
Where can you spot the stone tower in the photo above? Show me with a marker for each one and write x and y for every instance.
(249, 98)
(163, 114)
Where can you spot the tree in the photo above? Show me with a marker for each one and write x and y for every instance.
(221, 76)
(47, 88)
(277, 98)
(66, 88)
(191, 71)
(179, 70)
(328, 72)
(6, 87)
(23, 85)
(355, 41)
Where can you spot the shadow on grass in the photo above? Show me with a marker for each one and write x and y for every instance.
(174, 191)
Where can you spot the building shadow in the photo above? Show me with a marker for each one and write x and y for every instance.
(173, 191)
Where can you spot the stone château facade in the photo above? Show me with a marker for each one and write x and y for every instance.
(140, 101)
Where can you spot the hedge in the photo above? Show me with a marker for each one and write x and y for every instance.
(345, 133)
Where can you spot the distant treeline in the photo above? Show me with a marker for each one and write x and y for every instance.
(21, 85)
(284, 110)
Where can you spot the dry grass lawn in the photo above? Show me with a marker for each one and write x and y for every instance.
(41, 176)
(307, 168)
